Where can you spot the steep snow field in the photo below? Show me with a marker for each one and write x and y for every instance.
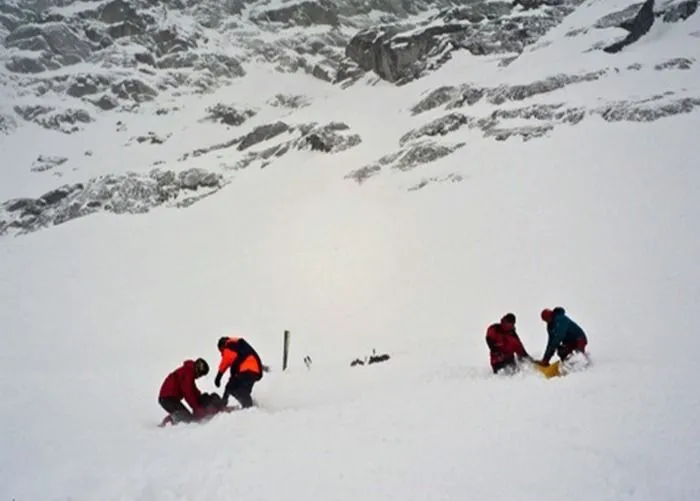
(600, 218)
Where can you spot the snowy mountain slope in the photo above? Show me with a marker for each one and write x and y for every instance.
(572, 181)
(561, 79)
(347, 269)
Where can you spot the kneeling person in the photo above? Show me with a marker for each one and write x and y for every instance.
(180, 384)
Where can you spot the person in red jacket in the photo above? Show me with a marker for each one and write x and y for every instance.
(180, 384)
(245, 367)
(504, 345)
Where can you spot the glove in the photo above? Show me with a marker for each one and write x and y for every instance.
(217, 379)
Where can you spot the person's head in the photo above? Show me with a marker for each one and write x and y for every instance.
(201, 368)
(546, 315)
(222, 343)
(508, 321)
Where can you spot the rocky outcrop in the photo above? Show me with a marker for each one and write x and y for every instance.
(228, 115)
(544, 117)
(58, 44)
(647, 112)
(450, 178)
(304, 13)
(637, 26)
(438, 127)
(417, 153)
(401, 53)
(637, 19)
(333, 137)
(7, 124)
(677, 63)
(291, 101)
(458, 96)
(44, 163)
(120, 194)
(66, 121)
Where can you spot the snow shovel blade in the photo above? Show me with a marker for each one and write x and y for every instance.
(549, 371)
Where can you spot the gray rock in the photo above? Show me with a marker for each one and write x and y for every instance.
(134, 90)
(679, 63)
(44, 163)
(119, 12)
(26, 64)
(228, 115)
(85, 84)
(678, 10)
(7, 124)
(305, 13)
(450, 178)
(625, 111)
(499, 95)
(637, 27)
(329, 138)
(262, 133)
(526, 132)
(400, 53)
(220, 65)
(438, 97)
(543, 112)
(195, 178)
(417, 153)
(55, 38)
(151, 138)
(624, 17)
(121, 194)
(438, 127)
(456, 97)
(66, 120)
(363, 173)
(422, 153)
(170, 40)
(288, 101)
(105, 102)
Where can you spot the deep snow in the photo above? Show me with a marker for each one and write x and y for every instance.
(600, 218)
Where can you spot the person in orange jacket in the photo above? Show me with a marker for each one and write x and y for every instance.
(245, 366)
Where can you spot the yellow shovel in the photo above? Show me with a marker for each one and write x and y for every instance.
(549, 371)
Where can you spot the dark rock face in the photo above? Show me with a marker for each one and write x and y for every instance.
(400, 53)
(333, 137)
(637, 19)
(66, 120)
(308, 13)
(120, 194)
(638, 26)
(228, 115)
(416, 154)
(262, 133)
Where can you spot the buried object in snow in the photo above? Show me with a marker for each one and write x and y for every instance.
(168, 420)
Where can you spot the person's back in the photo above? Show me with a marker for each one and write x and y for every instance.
(564, 335)
(245, 366)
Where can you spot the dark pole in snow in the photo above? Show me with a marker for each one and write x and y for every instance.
(285, 351)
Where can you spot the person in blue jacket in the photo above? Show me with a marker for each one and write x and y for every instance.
(564, 335)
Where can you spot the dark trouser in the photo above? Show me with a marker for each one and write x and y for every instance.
(506, 366)
(174, 407)
(566, 349)
(240, 387)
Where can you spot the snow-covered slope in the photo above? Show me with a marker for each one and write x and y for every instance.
(397, 216)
